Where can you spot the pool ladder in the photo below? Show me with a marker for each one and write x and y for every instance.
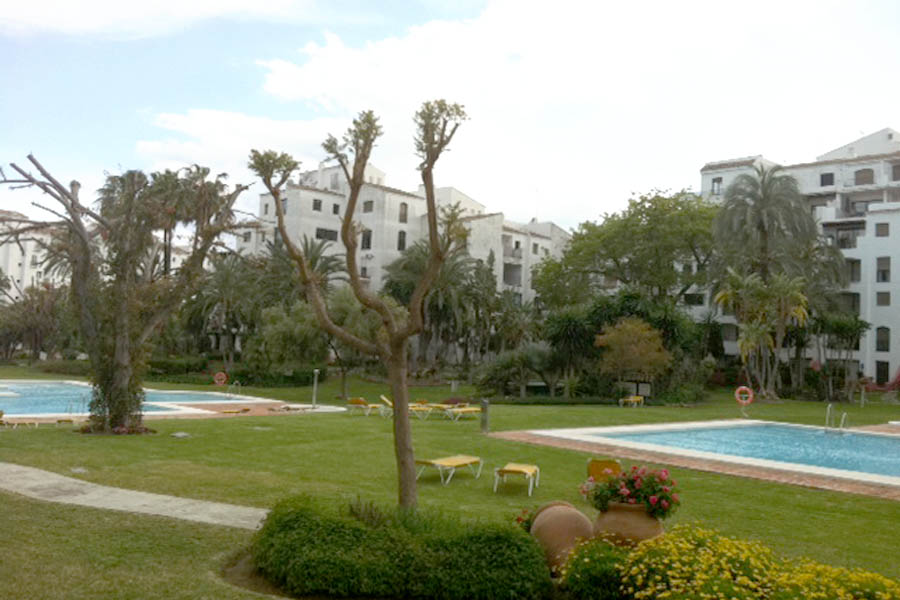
(235, 385)
(831, 415)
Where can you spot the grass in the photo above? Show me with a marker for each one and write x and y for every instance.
(258, 460)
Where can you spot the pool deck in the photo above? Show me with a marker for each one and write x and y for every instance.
(713, 466)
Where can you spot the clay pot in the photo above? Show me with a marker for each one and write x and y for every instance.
(627, 524)
(558, 526)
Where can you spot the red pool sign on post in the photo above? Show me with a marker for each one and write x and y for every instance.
(220, 378)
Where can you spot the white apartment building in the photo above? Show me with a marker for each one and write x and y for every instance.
(21, 263)
(394, 219)
(854, 193)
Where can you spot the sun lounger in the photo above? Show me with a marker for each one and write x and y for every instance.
(420, 410)
(459, 411)
(448, 465)
(235, 411)
(532, 474)
(632, 401)
(360, 404)
(601, 469)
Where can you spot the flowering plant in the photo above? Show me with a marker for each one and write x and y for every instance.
(652, 489)
(525, 518)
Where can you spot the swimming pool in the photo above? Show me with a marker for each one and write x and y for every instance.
(868, 457)
(57, 399)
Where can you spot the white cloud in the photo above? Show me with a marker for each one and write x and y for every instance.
(142, 19)
(576, 105)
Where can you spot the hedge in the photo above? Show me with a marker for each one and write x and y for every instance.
(176, 366)
(310, 549)
(275, 377)
(78, 368)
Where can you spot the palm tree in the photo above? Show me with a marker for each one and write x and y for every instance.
(763, 217)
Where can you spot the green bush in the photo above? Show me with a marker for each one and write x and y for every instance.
(277, 376)
(78, 368)
(186, 378)
(176, 366)
(311, 549)
(592, 571)
(689, 393)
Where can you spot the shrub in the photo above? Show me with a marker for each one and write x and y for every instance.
(188, 378)
(593, 571)
(78, 368)
(812, 580)
(309, 549)
(176, 366)
(689, 393)
(690, 562)
(288, 376)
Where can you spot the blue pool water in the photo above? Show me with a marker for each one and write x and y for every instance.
(878, 454)
(31, 398)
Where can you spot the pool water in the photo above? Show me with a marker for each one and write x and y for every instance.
(37, 399)
(869, 453)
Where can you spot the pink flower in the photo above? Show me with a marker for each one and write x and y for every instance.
(643, 471)
(634, 468)
(606, 471)
(675, 497)
(665, 503)
(666, 489)
(674, 483)
(653, 500)
(664, 474)
(624, 492)
(632, 501)
(637, 484)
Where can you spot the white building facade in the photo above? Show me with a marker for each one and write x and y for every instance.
(393, 219)
(854, 194)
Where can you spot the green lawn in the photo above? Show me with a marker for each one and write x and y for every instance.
(257, 460)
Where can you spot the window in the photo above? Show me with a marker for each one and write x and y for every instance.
(34, 260)
(265, 209)
(368, 206)
(854, 268)
(688, 269)
(517, 245)
(404, 210)
(326, 234)
(693, 299)
(882, 298)
(248, 236)
(895, 172)
(366, 240)
(729, 332)
(883, 269)
(534, 248)
(401, 240)
(883, 339)
(864, 177)
(716, 186)
(334, 181)
(826, 179)
(882, 371)
(364, 271)
(546, 251)
(335, 209)
(317, 205)
(882, 229)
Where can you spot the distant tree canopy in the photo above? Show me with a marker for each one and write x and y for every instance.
(661, 245)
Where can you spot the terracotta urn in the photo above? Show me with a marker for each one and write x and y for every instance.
(558, 527)
(626, 524)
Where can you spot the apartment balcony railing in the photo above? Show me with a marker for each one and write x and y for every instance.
(512, 252)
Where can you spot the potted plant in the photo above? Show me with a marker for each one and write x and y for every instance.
(632, 503)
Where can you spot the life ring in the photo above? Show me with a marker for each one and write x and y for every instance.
(743, 395)
(220, 378)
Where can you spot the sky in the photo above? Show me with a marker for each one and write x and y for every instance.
(574, 106)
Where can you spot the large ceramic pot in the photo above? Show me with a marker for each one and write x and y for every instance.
(626, 524)
(558, 526)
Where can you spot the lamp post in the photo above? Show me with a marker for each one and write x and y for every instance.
(315, 386)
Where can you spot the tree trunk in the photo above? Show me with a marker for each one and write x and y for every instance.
(403, 448)
(343, 382)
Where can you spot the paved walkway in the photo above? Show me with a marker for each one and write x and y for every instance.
(44, 485)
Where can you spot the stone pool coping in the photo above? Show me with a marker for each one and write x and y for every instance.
(824, 482)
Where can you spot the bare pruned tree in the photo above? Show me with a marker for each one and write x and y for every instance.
(436, 124)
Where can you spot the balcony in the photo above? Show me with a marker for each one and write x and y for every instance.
(509, 252)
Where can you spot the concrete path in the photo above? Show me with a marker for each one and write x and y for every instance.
(44, 485)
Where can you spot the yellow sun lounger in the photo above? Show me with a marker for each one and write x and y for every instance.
(601, 469)
(420, 410)
(458, 411)
(449, 465)
(532, 474)
(360, 404)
